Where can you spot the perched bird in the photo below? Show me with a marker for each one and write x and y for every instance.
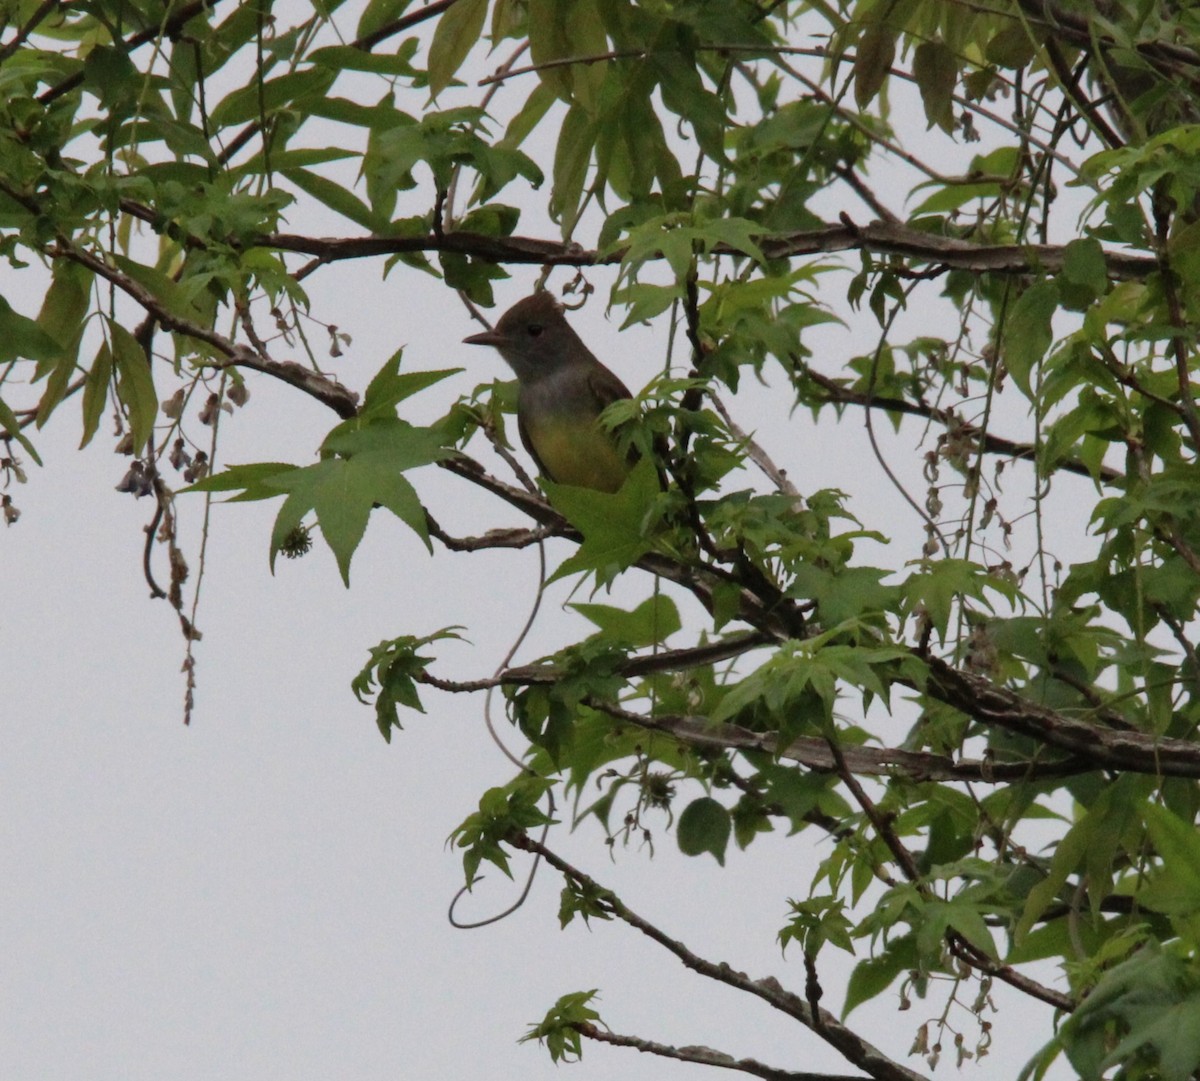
(561, 391)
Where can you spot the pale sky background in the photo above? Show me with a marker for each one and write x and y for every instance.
(263, 895)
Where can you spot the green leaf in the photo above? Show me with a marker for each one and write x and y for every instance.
(1083, 264)
(378, 14)
(169, 293)
(502, 811)
(529, 116)
(334, 196)
(473, 276)
(1151, 1003)
(872, 61)
(1175, 887)
(955, 195)
(583, 22)
(704, 826)
(652, 621)
(559, 1031)
(572, 154)
(282, 160)
(491, 219)
(935, 68)
(614, 527)
(95, 392)
(250, 479)
(850, 593)
(404, 445)
(546, 26)
(390, 386)
(968, 921)
(457, 31)
(66, 304)
(390, 677)
(737, 233)
(342, 491)
(941, 584)
(21, 337)
(871, 977)
(12, 428)
(1013, 47)
(580, 899)
(340, 58)
(255, 102)
(1069, 854)
(135, 384)
(1028, 333)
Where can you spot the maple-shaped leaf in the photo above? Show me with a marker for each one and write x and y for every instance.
(615, 527)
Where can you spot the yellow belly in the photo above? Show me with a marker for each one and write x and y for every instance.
(579, 453)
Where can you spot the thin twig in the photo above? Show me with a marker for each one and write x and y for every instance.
(703, 1056)
(837, 394)
(168, 29)
(340, 399)
(758, 456)
(853, 1047)
(406, 22)
(19, 38)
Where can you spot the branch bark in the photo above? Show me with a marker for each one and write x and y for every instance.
(852, 1047)
(836, 394)
(881, 238)
(703, 1056)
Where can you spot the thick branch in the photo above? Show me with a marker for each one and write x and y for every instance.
(1079, 31)
(884, 238)
(1125, 751)
(862, 761)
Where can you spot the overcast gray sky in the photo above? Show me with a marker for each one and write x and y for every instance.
(263, 894)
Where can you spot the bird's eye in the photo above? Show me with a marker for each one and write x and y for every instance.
(535, 329)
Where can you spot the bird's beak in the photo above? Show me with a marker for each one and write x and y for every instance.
(488, 337)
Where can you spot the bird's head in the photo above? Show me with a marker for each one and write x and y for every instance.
(533, 337)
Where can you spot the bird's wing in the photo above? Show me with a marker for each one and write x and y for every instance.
(527, 443)
(606, 386)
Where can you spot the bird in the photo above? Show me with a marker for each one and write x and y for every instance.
(561, 391)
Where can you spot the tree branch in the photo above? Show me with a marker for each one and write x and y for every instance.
(342, 400)
(493, 538)
(837, 394)
(167, 29)
(669, 660)
(1123, 751)
(977, 697)
(853, 1047)
(702, 1056)
(816, 755)
(884, 238)
(406, 22)
(43, 12)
